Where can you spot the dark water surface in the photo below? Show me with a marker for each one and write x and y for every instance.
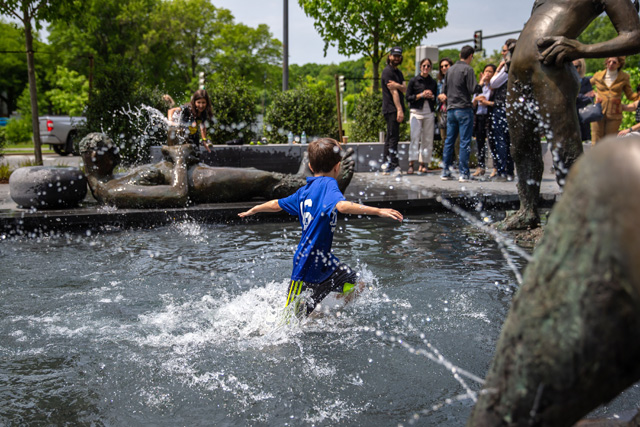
(180, 326)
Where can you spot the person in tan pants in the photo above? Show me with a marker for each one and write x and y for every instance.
(609, 85)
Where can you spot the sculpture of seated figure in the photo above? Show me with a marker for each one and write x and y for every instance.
(180, 179)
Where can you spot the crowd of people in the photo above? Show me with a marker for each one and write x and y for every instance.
(463, 107)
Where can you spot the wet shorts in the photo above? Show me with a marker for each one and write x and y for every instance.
(342, 280)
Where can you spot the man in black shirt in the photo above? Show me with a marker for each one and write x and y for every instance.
(393, 89)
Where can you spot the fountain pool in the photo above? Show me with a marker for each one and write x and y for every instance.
(179, 326)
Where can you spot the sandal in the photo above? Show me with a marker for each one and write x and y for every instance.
(410, 170)
(423, 168)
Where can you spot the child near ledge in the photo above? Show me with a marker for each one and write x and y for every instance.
(317, 205)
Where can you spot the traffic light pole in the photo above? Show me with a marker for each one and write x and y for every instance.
(493, 36)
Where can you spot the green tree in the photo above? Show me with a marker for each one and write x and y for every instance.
(368, 120)
(310, 108)
(70, 93)
(600, 30)
(19, 129)
(352, 70)
(245, 52)
(234, 110)
(184, 33)
(27, 11)
(371, 27)
(127, 111)
(13, 63)
(167, 42)
(108, 31)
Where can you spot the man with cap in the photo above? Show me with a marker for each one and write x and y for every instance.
(393, 89)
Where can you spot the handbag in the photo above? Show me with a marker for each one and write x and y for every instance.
(591, 113)
(442, 117)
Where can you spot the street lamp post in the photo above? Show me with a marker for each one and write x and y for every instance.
(285, 47)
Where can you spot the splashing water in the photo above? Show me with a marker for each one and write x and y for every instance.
(181, 323)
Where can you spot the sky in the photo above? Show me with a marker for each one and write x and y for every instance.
(305, 45)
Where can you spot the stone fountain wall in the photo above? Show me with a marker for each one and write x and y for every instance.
(286, 158)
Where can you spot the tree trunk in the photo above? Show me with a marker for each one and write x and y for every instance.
(376, 75)
(375, 60)
(33, 90)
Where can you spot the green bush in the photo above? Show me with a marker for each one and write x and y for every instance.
(310, 109)
(234, 111)
(18, 131)
(368, 120)
(131, 114)
(3, 141)
(629, 118)
(5, 172)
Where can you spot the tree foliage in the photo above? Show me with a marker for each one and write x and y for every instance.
(167, 42)
(600, 30)
(310, 108)
(234, 111)
(368, 120)
(371, 27)
(130, 113)
(70, 93)
(13, 63)
(29, 12)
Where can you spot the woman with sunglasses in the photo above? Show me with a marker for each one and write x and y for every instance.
(421, 95)
(609, 84)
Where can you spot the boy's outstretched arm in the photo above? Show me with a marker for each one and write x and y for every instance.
(270, 206)
(345, 207)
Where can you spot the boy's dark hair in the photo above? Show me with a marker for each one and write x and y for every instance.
(466, 51)
(324, 154)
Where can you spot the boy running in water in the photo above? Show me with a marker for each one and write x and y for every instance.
(317, 205)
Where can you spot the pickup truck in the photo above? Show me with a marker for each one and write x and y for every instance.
(59, 132)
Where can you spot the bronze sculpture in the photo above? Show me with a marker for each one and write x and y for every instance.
(181, 179)
(571, 340)
(543, 87)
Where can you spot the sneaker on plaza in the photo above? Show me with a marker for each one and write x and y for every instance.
(510, 178)
(464, 178)
(397, 171)
(446, 177)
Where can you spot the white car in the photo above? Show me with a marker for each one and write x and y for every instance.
(59, 132)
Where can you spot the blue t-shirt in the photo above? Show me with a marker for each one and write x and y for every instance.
(315, 205)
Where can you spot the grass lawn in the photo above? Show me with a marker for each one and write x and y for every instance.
(25, 148)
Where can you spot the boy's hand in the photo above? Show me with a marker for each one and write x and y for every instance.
(246, 213)
(391, 213)
(270, 206)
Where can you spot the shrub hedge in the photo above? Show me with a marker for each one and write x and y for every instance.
(304, 109)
